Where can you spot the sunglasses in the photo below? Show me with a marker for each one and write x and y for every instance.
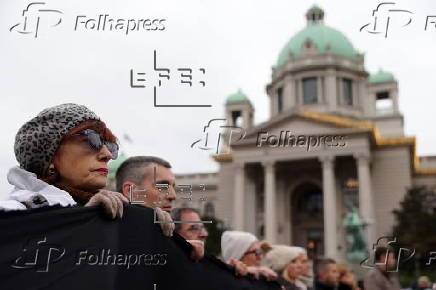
(96, 142)
(257, 252)
(197, 228)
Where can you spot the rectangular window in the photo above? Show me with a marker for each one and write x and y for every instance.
(347, 92)
(236, 118)
(279, 100)
(383, 103)
(382, 95)
(310, 91)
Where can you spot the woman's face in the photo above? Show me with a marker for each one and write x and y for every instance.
(305, 264)
(80, 167)
(253, 255)
(294, 268)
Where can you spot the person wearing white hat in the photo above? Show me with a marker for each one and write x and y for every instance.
(242, 249)
(305, 280)
(234, 244)
(286, 262)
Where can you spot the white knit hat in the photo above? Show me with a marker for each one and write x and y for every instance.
(280, 256)
(235, 243)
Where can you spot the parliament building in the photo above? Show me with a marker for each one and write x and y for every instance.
(298, 195)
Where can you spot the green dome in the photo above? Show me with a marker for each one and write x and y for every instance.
(381, 77)
(114, 164)
(326, 39)
(237, 98)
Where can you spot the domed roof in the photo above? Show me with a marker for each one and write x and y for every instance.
(326, 39)
(381, 77)
(114, 164)
(237, 98)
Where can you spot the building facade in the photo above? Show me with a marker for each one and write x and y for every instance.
(335, 139)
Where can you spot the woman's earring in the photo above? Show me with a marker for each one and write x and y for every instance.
(51, 171)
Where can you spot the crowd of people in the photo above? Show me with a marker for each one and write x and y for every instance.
(63, 156)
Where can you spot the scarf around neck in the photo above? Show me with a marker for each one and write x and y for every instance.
(80, 196)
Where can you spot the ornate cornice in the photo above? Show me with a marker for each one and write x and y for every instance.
(350, 123)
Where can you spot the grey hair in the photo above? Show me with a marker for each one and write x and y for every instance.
(176, 215)
(135, 169)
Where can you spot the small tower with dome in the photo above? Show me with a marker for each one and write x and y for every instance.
(239, 110)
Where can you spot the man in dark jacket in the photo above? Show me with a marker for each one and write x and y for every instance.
(326, 274)
(149, 180)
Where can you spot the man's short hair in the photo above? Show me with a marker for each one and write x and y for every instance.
(176, 215)
(135, 169)
(321, 264)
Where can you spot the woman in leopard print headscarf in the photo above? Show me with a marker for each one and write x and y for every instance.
(63, 155)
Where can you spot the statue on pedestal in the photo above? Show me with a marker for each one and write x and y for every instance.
(356, 245)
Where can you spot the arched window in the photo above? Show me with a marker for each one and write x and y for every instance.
(310, 91)
(383, 103)
(279, 100)
(311, 202)
(308, 200)
(347, 92)
(237, 118)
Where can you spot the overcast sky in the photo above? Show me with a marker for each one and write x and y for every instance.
(237, 42)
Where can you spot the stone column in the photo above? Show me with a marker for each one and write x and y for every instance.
(354, 93)
(330, 211)
(319, 88)
(250, 203)
(274, 102)
(270, 201)
(366, 206)
(245, 118)
(370, 103)
(300, 98)
(395, 107)
(330, 89)
(238, 197)
(288, 93)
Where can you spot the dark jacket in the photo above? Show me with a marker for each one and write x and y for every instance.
(322, 286)
(344, 287)
(286, 285)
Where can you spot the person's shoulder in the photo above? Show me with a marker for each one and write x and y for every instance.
(371, 273)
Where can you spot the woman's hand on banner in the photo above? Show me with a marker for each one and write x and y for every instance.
(112, 202)
(267, 272)
(240, 267)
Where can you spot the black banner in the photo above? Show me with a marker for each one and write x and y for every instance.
(80, 248)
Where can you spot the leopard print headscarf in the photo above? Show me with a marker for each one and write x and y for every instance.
(37, 140)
